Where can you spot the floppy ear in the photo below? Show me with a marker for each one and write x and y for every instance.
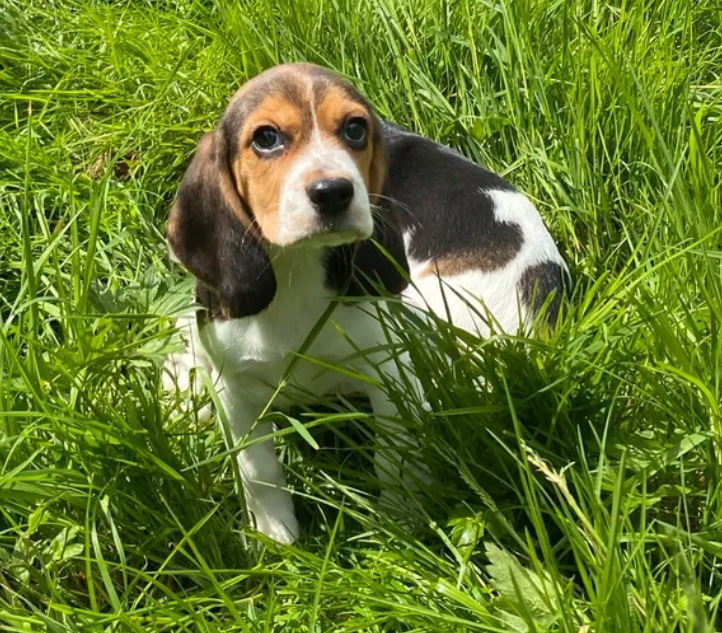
(380, 262)
(212, 235)
(382, 259)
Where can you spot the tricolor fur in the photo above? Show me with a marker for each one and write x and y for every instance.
(282, 209)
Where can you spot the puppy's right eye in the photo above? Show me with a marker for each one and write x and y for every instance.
(266, 139)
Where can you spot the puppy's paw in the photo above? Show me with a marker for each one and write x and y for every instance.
(406, 511)
(280, 525)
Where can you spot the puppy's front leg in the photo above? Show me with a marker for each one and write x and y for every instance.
(397, 458)
(264, 483)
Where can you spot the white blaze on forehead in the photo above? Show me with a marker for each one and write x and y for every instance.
(298, 218)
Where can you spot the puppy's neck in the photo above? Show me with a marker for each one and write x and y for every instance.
(299, 271)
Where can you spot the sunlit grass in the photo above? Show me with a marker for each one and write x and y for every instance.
(576, 478)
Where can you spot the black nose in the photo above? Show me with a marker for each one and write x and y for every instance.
(331, 196)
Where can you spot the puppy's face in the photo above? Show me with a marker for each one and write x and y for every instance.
(306, 157)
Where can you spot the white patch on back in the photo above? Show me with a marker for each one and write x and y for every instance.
(465, 298)
(512, 206)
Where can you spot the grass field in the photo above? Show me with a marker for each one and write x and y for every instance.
(577, 478)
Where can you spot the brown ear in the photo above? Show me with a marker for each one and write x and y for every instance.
(207, 235)
(377, 264)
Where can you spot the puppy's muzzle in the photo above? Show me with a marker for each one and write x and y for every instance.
(331, 196)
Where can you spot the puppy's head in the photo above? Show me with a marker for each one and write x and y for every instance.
(305, 152)
(296, 160)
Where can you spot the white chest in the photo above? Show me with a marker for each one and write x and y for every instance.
(257, 351)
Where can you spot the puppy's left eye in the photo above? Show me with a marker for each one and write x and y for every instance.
(355, 133)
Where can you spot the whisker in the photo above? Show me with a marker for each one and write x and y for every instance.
(398, 203)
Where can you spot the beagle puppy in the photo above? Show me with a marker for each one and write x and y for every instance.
(301, 195)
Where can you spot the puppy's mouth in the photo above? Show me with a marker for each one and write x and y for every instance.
(311, 229)
(333, 233)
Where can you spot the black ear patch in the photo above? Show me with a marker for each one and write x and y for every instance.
(207, 235)
(364, 268)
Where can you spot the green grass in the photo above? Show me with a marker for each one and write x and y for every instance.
(577, 479)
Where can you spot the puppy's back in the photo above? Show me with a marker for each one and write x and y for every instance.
(475, 244)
